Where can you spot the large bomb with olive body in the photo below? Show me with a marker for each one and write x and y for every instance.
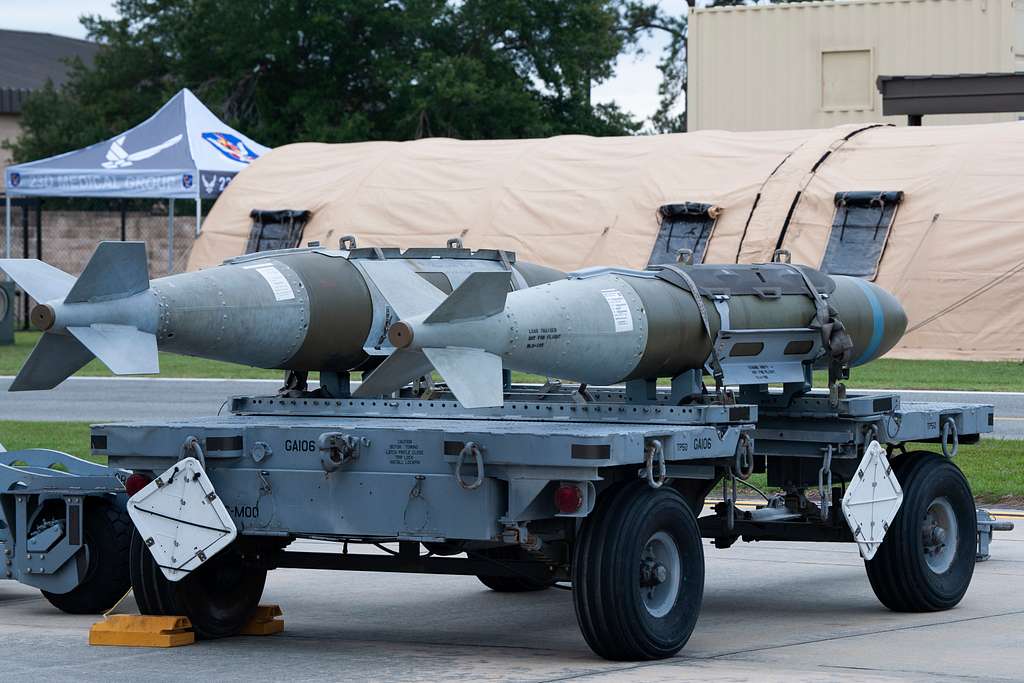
(605, 326)
(300, 309)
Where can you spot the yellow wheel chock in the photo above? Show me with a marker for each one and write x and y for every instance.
(264, 622)
(134, 630)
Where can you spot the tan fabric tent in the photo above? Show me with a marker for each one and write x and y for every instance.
(566, 202)
(954, 255)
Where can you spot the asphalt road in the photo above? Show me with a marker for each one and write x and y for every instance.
(106, 399)
(772, 612)
(98, 399)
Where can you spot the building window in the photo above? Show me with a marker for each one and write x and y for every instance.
(860, 229)
(276, 230)
(846, 80)
(683, 226)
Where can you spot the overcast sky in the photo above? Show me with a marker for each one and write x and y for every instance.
(634, 87)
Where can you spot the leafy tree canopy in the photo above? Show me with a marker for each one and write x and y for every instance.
(348, 70)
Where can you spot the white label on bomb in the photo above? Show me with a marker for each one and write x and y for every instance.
(278, 282)
(620, 310)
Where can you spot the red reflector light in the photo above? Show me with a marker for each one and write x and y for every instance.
(135, 483)
(568, 498)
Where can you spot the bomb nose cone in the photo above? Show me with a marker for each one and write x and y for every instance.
(43, 317)
(874, 317)
(895, 317)
(889, 322)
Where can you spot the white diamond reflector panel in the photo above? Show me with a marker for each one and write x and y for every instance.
(182, 519)
(872, 500)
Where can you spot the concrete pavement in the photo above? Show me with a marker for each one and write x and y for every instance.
(772, 611)
(104, 399)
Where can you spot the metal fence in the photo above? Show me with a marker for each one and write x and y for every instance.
(64, 233)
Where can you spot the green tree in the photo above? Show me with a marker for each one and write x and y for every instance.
(644, 18)
(348, 70)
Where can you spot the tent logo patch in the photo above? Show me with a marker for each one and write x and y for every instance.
(231, 146)
(15, 179)
(186, 181)
(119, 157)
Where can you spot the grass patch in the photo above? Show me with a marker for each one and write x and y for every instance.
(70, 437)
(995, 467)
(881, 374)
(171, 365)
(961, 375)
(890, 373)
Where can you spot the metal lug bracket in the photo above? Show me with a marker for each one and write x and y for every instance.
(337, 449)
(986, 525)
(767, 356)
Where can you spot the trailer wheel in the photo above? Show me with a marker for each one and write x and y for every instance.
(154, 594)
(218, 598)
(222, 595)
(638, 574)
(107, 533)
(927, 559)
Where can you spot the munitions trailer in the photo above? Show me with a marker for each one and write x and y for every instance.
(602, 489)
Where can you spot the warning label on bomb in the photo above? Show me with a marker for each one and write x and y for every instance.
(278, 282)
(537, 336)
(620, 310)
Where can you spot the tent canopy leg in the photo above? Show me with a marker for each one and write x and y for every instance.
(7, 226)
(170, 236)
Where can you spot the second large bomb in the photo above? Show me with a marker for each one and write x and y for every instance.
(605, 326)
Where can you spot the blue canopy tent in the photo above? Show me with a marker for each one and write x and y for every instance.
(182, 151)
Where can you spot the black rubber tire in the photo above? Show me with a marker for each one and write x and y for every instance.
(154, 594)
(899, 573)
(222, 595)
(510, 584)
(107, 535)
(609, 608)
(218, 598)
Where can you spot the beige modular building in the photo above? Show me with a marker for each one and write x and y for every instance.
(814, 64)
